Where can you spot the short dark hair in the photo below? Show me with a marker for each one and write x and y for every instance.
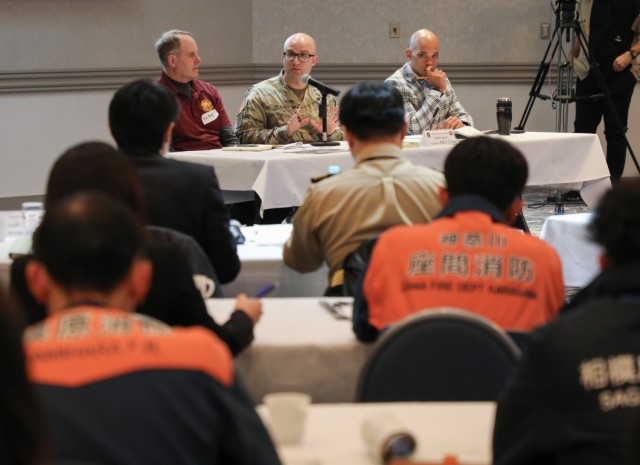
(95, 167)
(616, 222)
(139, 114)
(488, 167)
(372, 109)
(88, 242)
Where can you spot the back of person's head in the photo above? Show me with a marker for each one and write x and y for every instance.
(139, 115)
(487, 167)
(22, 423)
(616, 222)
(169, 42)
(372, 110)
(88, 242)
(94, 167)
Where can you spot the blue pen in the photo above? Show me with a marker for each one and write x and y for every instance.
(265, 289)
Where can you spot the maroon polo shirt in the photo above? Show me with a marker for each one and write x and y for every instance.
(190, 132)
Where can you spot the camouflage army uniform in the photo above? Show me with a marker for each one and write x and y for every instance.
(268, 107)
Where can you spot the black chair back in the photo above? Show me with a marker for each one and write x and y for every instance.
(443, 354)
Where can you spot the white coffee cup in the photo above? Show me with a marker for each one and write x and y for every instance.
(387, 438)
(205, 285)
(287, 415)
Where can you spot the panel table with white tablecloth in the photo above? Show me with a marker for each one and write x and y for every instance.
(299, 346)
(282, 176)
(567, 234)
(333, 432)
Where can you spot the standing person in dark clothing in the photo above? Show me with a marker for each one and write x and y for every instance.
(611, 28)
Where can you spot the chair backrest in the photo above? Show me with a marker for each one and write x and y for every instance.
(355, 264)
(197, 258)
(443, 354)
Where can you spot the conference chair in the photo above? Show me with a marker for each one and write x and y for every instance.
(197, 258)
(354, 265)
(443, 354)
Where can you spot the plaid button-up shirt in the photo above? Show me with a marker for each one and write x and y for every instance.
(424, 106)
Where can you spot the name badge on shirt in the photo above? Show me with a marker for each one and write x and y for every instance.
(437, 137)
(210, 116)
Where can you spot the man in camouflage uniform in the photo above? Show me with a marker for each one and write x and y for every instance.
(282, 109)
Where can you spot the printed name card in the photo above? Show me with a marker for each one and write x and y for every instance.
(437, 137)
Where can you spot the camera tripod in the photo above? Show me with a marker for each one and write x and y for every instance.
(567, 24)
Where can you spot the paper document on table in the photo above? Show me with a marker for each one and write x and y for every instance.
(273, 234)
(308, 148)
(465, 132)
(248, 148)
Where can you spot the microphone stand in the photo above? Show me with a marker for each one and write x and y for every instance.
(322, 111)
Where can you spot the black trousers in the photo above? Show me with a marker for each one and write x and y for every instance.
(590, 112)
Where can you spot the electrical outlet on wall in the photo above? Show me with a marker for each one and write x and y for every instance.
(545, 29)
(394, 30)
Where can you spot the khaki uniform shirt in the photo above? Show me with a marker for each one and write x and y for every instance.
(340, 212)
(268, 107)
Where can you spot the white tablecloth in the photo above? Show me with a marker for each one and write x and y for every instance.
(261, 258)
(580, 257)
(333, 436)
(281, 177)
(299, 346)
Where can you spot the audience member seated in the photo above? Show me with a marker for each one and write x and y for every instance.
(574, 399)
(468, 257)
(122, 388)
(203, 123)
(283, 109)
(429, 98)
(178, 195)
(382, 190)
(23, 431)
(173, 298)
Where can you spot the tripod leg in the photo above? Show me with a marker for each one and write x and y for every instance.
(538, 82)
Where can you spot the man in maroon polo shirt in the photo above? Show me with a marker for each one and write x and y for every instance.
(203, 123)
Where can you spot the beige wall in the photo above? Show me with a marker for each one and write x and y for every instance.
(80, 34)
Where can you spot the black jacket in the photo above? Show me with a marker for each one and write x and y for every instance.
(576, 394)
(187, 197)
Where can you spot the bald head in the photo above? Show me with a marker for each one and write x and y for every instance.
(423, 52)
(301, 50)
(300, 39)
(422, 37)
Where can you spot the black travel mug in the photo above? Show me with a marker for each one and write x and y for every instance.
(503, 112)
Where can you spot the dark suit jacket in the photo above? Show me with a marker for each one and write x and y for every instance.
(187, 197)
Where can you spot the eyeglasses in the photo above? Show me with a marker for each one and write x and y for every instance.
(290, 56)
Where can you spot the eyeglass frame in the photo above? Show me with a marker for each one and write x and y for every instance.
(297, 55)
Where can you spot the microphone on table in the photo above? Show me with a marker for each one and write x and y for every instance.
(308, 80)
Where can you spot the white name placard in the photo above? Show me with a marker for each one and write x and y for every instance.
(435, 137)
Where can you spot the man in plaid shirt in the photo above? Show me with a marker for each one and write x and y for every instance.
(429, 99)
